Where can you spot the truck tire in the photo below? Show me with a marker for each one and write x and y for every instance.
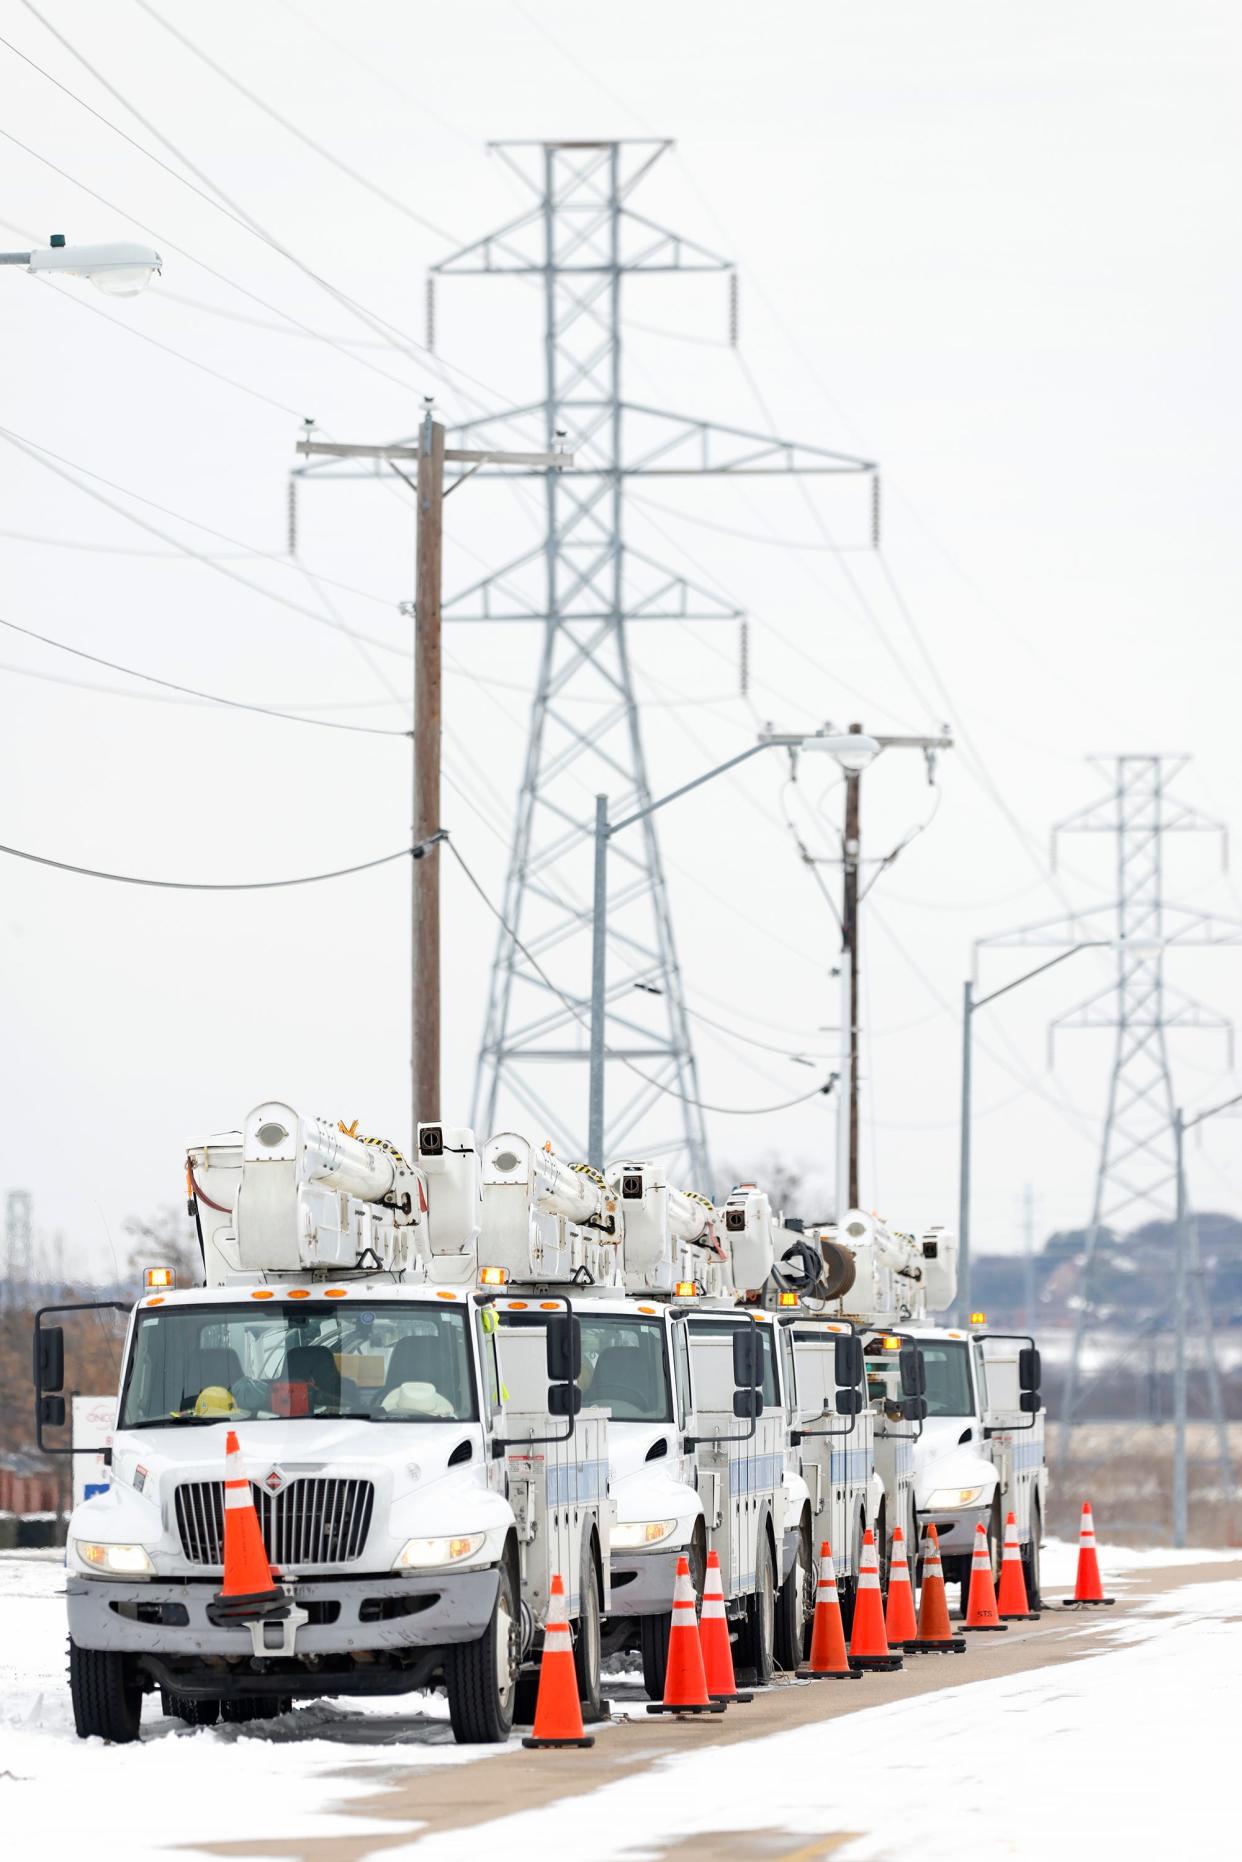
(795, 1605)
(587, 1638)
(654, 1631)
(107, 1695)
(755, 1645)
(480, 1677)
(187, 1707)
(1030, 1558)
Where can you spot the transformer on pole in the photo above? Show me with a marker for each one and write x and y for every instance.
(1138, 1170)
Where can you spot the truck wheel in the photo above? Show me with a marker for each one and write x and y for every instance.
(1030, 1561)
(795, 1604)
(654, 1631)
(587, 1639)
(189, 1707)
(107, 1695)
(756, 1642)
(480, 1677)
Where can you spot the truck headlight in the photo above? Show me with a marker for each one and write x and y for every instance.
(425, 1554)
(949, 1497)
(131, 1561)
(641, 1533)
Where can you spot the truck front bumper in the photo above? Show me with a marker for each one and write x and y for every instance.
(347, 1615)
(642, 1582)
(955, 1528)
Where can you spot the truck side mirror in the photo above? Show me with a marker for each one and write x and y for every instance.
(52, 1412)
(1030, 1402)
(564, 1400)
(913, 1408)
(1029, 1371)
(913, 1372)
(849, 1402)
(746, 1367)
(748, 1403)
(564, 1348)
(49, 1360)
(849, 1361)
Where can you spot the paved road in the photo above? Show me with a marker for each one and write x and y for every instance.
(424, 1800)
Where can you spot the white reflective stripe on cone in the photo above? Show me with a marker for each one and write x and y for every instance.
(713, 1606)
(235, 1496)
(557, 1640)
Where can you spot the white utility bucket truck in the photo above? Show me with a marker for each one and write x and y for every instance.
(958, 1412)
(687, 1375)
(412, 1512)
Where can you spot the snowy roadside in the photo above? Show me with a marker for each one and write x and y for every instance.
(181, 1787)
(1127, 1752)
(184, 1785)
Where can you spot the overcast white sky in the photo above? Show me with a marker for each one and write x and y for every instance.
(995, 248)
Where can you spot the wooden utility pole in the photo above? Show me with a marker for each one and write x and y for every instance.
(429, 457)
(851, 863)
(425, 872)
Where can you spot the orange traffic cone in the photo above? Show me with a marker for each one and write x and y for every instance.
(248, 1591)
(558, 1713)
(1011, 1604)
(981, 1612)
(935, 1632)
(829, 1661)
(900, 1624)
(1088, 1589)
(685, 1682)
(868, 1643)
(714, 1638)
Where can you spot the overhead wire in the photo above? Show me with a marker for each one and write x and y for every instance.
(200, 885)
(215, 698)
(576, 1012)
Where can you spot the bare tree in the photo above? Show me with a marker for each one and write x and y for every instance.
(166, 1239)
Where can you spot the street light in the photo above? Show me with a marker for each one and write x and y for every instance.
(852, 752)
(121, 269)
(970, 1005)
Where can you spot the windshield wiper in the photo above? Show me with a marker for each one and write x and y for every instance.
(175, 1422)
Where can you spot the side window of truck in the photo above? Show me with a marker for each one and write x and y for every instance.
(681, 1374)
(789, 1385)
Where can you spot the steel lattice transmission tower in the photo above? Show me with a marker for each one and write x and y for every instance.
(1137, 1171)
(18, 1244)
(586, 584)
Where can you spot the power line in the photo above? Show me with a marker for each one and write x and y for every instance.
(200, 885)
(576, 1012)
(215, 698)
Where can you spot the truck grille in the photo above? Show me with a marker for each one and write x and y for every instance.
(312, 1521)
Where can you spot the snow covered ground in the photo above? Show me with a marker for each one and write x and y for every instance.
(1124, 1752)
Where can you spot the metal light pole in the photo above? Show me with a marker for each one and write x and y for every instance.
(854, 746)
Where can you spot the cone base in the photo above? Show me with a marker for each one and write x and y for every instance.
(536, 1744)
(728, 1699)
(1019, 1616)
(1085, 1603)
(247, 1606)
(984, 1629)
(698, 1706)
(830, 1674)
(878, 1663)
(947, 1645)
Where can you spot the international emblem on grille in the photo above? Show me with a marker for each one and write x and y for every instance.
(274, 1480)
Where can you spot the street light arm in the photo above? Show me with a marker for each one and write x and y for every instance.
(640, 814)
(1097, 943)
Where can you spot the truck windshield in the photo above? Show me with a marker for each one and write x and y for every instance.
(624, 1365)
(384, 1363)
(948, 1378)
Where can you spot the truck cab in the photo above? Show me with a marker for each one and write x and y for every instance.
(981, 1452)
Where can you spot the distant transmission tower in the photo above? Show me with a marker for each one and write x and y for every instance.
(18, 1245)
(587, 587)
(1137, 1173)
